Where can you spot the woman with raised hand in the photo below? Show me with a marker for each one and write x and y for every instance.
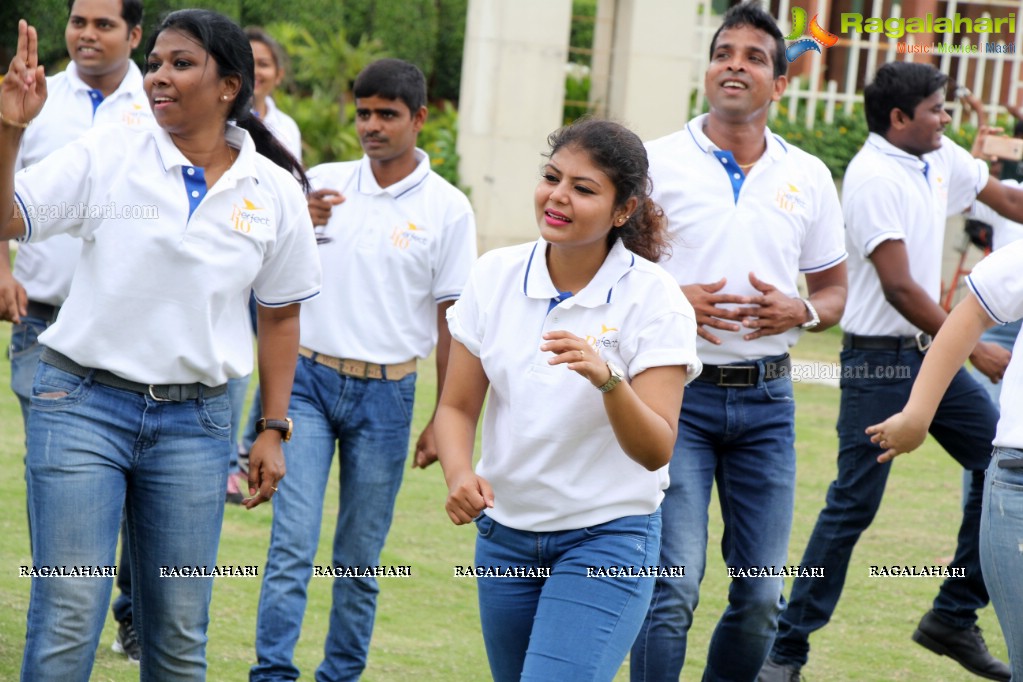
(129, 404)
(584, 345)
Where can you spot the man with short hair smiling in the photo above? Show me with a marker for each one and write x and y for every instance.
(747, 213)
(395, 256)
(898, 191)
(101, 86)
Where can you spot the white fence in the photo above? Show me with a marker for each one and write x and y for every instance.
(987, 74)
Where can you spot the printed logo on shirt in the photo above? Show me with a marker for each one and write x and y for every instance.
(789, 197)
(409, 233)
(135, 116)
(244, 216)
(608, 339)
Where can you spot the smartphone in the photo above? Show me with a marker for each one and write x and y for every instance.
(1003, 147)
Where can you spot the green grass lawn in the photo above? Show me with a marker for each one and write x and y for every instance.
(428, 627)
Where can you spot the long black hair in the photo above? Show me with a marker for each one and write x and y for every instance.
(229, 47)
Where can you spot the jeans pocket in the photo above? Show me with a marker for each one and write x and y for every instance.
(404, 393)
(484, 525)
(214, 415)
(629, 529)
(55, 388)
(779, 390)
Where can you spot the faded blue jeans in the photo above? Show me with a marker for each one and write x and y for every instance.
(368, 421)
(93, 453)
(568, 627)
(744, 439)
(1001, 528)
(25, 352)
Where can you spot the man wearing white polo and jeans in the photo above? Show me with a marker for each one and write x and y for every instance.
(747, 213)
(395, 256)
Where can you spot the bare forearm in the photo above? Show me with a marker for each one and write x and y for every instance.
(647, 435)
(950, 349)
(829, 304)
(455, 431)
(278, 353)
(10, 139)
(915, 305)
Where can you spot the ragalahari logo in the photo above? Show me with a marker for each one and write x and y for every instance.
(818, 36)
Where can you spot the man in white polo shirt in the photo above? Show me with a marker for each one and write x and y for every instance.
(395, 256)
(748, 213)
(101, 86)
(898, 191)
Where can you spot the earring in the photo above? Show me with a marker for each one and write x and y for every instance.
(223, 97)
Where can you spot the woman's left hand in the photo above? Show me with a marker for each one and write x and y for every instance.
(577, 355)
(896, 435)
(266, 468)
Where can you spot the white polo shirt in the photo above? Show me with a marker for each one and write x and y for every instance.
(395, 253)
(890, 194)
(1004, 231)
(71, 108)
(548, 448)
(781, 219)
(284, 128)
(997, 282)
(161, 291)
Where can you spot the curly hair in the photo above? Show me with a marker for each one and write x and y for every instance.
(620, 154)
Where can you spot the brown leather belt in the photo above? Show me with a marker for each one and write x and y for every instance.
(360, 369)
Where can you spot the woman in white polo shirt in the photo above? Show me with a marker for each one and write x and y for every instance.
(996, 297)
(129, 404)
(584, 345)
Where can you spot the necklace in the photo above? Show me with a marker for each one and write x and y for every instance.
(746, 166)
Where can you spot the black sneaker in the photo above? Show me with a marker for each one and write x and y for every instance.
(965, 647)
(778, 672)
(127, 641)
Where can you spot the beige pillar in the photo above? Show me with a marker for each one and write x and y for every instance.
(653, 63)
(512, 93)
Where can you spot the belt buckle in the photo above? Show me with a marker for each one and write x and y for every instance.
(156, 397)
(736, 369)
(923, 341)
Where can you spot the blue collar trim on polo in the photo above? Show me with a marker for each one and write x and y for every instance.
(97, 98)
(536, 280)
(774, 149)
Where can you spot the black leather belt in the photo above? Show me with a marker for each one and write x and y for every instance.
(921, 342)
(738, 376)
(162, 392)
(42, 311)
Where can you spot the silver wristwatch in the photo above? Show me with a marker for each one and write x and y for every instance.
(814, 320)
(616, 378)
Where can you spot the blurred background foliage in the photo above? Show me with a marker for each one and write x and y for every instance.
(328, 43)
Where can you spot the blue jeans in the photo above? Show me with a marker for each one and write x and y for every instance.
(368, 420)
(744, 439)
(964, 426)
(236, 390)
(25, 352)
(567, 627)
(1005, 336)
(93, 453)
(1001, 527)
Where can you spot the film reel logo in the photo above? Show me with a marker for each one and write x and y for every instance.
(818, 36)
